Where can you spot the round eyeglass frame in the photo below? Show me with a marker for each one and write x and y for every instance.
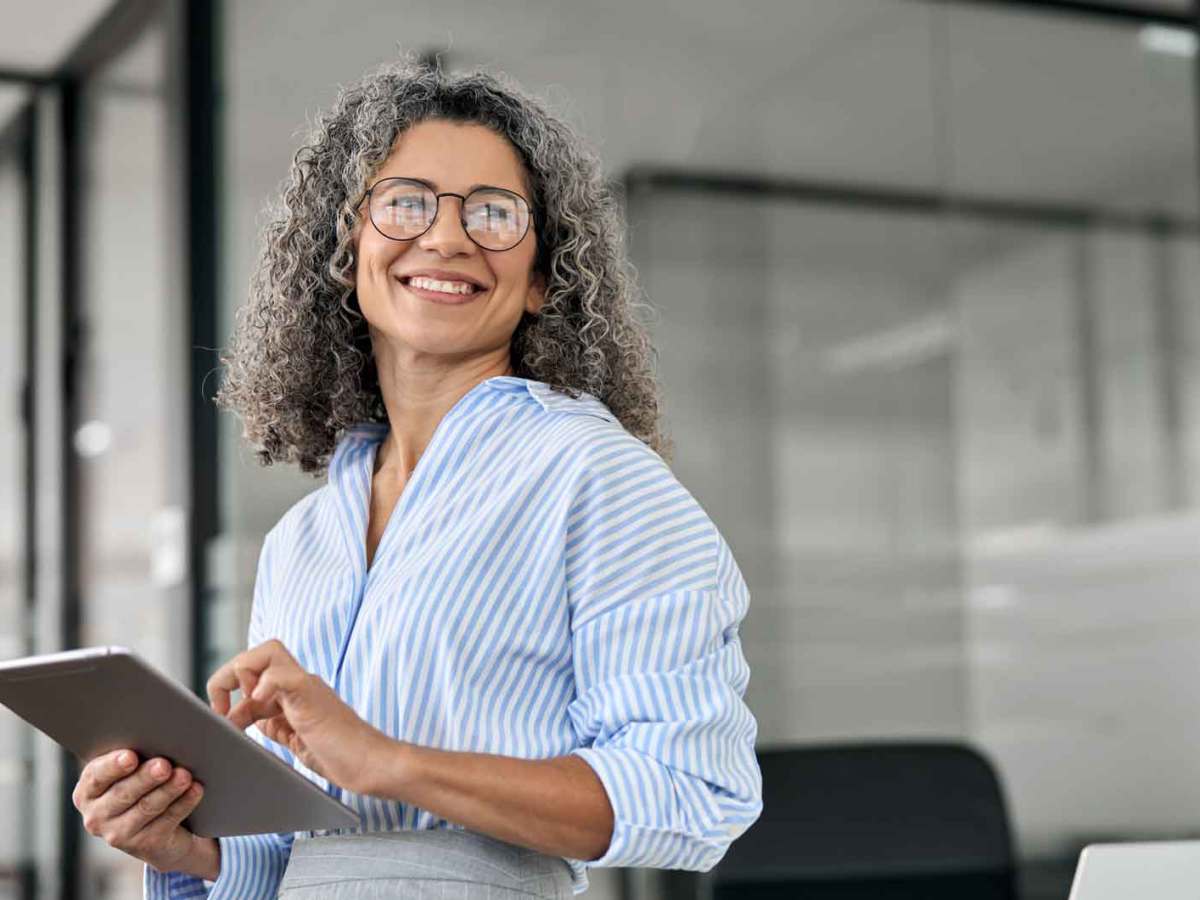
(438, 207)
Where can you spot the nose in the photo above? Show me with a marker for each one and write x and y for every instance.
(446, 236)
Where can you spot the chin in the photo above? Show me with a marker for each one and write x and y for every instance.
(434, 341)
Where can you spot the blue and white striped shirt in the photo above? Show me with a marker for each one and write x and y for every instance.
(545, 586)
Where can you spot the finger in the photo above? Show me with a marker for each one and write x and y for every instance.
(268, 728)
(217, 687)
(221, 684)
(125, 793)
(246, 711)
(262, 703)
(266, 700)
(255, 660)
(247, 680)
(277, 728)
(285, 680)
(148, 807)
(154, 831)
(183, 807)
(100, 773)
(283, 728)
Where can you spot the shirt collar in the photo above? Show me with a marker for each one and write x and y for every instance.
(546, 397)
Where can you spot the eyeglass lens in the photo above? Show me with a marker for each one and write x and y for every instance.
(403, 210)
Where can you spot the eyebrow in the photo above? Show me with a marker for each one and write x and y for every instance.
(433, 187)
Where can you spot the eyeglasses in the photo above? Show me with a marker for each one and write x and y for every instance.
(403, 209)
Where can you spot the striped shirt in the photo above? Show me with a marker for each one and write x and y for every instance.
(544, 586)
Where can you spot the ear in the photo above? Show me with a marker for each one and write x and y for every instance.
(536, 296)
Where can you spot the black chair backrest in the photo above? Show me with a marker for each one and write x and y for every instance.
(879, 821)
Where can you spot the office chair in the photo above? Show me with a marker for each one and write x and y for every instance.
(907, 821)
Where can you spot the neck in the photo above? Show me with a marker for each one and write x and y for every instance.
(417, 394)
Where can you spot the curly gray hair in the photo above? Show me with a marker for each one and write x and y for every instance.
(300, 368)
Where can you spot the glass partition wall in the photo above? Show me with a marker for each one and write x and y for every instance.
(926, 280)
(951, 423)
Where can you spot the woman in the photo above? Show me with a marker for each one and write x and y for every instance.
(503, 631)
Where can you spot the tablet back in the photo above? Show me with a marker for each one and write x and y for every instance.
(99, 699)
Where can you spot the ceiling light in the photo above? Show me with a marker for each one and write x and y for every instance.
(898, 348)
(92, 438)
(1179, 42)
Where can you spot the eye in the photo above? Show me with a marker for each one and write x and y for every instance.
(492, 214)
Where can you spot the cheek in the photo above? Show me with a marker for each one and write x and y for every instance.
(374, 261)
(515, 273)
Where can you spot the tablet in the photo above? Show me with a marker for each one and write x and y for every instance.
(99, 699)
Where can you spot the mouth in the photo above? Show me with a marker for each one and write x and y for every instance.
(439, 291)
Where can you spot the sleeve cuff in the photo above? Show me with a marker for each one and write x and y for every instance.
(158, 885)
(651, 825)
(251, 869)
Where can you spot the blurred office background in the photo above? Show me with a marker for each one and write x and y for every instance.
(927, 275)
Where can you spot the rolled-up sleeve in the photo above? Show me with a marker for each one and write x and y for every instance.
(252, 866)
(656, 600)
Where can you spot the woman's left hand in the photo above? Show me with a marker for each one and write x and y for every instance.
(298, 710)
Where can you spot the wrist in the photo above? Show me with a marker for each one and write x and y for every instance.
(204, 860)
(385, 771)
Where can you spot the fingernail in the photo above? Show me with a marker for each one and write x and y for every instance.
(125, 760)
(161, 768)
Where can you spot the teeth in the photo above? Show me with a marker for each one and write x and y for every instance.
(446, 287)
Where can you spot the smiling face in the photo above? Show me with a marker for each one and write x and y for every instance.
(435, 322)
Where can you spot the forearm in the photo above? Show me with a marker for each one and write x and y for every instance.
(556, 806)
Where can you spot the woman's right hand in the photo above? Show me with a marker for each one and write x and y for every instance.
(138, 808)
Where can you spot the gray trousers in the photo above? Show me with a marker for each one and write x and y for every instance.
(425, 864)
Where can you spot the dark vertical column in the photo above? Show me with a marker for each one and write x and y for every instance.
(72, 211)
(29, 274)
(199, 115)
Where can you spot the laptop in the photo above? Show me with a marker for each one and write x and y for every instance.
(1158, 870)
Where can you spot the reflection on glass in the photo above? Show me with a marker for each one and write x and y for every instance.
(806, 358)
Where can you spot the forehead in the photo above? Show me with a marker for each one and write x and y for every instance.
(454, 156)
